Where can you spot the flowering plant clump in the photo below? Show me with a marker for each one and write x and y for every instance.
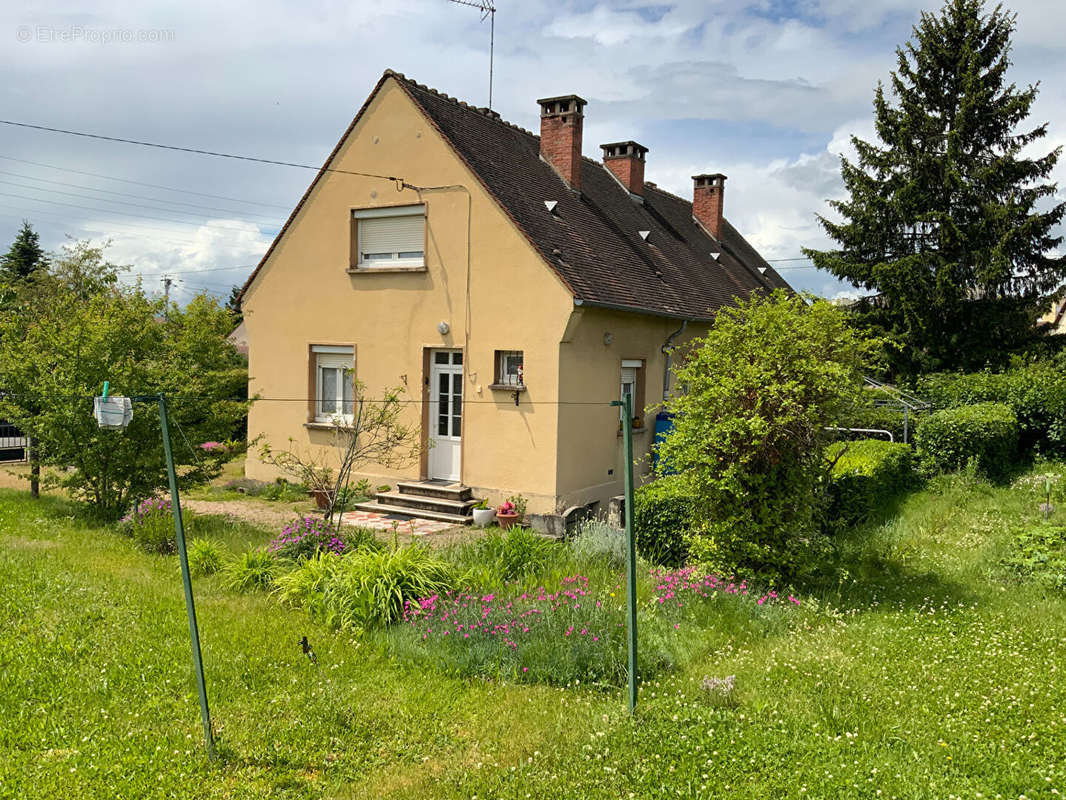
(302, 538)
(507, 507)
(573, 634)
(150, 523)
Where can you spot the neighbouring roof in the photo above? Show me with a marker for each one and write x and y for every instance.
(593, 238)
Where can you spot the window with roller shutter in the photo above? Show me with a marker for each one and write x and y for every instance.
(389, 237)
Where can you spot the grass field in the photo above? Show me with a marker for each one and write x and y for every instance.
(923, 670)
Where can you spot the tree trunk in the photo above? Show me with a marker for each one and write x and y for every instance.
(35, 469)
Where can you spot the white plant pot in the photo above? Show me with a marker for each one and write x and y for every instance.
(484, 516)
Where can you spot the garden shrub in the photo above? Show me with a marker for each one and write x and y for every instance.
(1039, 553)
(750, 429)
(151, 525)
(251, 570)
(597, 541)
(368, 588)
(514, 553)
(662, 519)
(867, 474)
(205, 557)
(987, 433)
(886, 418)
(305, 586)
(304, 537)
(1035, 391)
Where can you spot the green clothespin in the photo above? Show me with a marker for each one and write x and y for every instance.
(107, 388)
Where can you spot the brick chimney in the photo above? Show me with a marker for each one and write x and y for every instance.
(626, 161)
(708, 199)
(561, 121)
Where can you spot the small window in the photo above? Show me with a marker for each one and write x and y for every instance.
(633, 387)
(334, 385)
(389, 237)
(510, 369)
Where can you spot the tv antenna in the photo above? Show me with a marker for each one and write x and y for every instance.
(488, 10)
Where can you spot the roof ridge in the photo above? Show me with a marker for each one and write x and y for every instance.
(484, 111)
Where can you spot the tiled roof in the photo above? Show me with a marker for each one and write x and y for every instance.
(592, 239)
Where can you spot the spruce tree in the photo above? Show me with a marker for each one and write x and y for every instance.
(948, 222)
(24, 257)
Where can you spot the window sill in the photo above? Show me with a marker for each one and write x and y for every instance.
(635, 431)
(507, 387)
(320, 425)
(394, 268)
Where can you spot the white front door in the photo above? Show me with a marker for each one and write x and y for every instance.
(445, 413)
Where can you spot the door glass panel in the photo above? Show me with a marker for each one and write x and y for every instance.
(443, 393)
(440, 358)
(457, 404)
(328, 400)
(457, 358)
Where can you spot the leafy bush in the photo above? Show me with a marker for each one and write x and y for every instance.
(867, 474)
(514, 553)
(305, 586)
(368, 588)
(598, 541)
(251, 570)
(886, 418)
(662, 519)
(749, 430)
(303, 538)
(1039, 553)
(205, 557)
(1036, 392)
(151, 525)
(985, 432)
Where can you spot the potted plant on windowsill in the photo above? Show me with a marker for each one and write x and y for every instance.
(483, 514)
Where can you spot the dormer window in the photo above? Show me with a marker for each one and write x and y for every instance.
(389, 238)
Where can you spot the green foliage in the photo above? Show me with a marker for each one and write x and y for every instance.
(749, 431)
(1039, 553)
(205, 557)
(151, 525)
(885, 418)
(949, 219)
(519, 503)
(1035, 391)
(662, 520)
(368, 588)
(596, 541)
(76, 327)
(986, 433)
(305, 585)
(251, 570)
(504, 555)
(866, 475)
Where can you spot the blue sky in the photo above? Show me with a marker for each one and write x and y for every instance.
(765, 91)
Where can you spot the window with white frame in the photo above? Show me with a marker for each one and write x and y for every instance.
(390, 237)
(633, 388)
(510, 370)
(334, 386)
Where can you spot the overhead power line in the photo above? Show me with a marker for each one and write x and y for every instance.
(234, 212)
(197, 151)
(142, 183)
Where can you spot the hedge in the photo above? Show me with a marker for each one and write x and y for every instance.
(866, 475)
(985, 432)
(662, 518)
(1035, 392)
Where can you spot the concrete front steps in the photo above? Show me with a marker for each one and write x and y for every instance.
(435, 500)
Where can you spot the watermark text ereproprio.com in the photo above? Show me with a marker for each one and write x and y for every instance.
(70, 34)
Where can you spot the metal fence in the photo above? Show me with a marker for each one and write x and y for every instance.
(12, 443)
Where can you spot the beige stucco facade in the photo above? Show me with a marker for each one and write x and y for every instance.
(559, 446)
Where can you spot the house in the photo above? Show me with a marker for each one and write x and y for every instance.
(512, 286)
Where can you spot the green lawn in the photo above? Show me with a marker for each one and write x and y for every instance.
(924, 671)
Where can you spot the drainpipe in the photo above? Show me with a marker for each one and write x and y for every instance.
(666, 352)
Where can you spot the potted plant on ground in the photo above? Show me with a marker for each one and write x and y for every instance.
(511, 511)
(506, 515)
(483, 514)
